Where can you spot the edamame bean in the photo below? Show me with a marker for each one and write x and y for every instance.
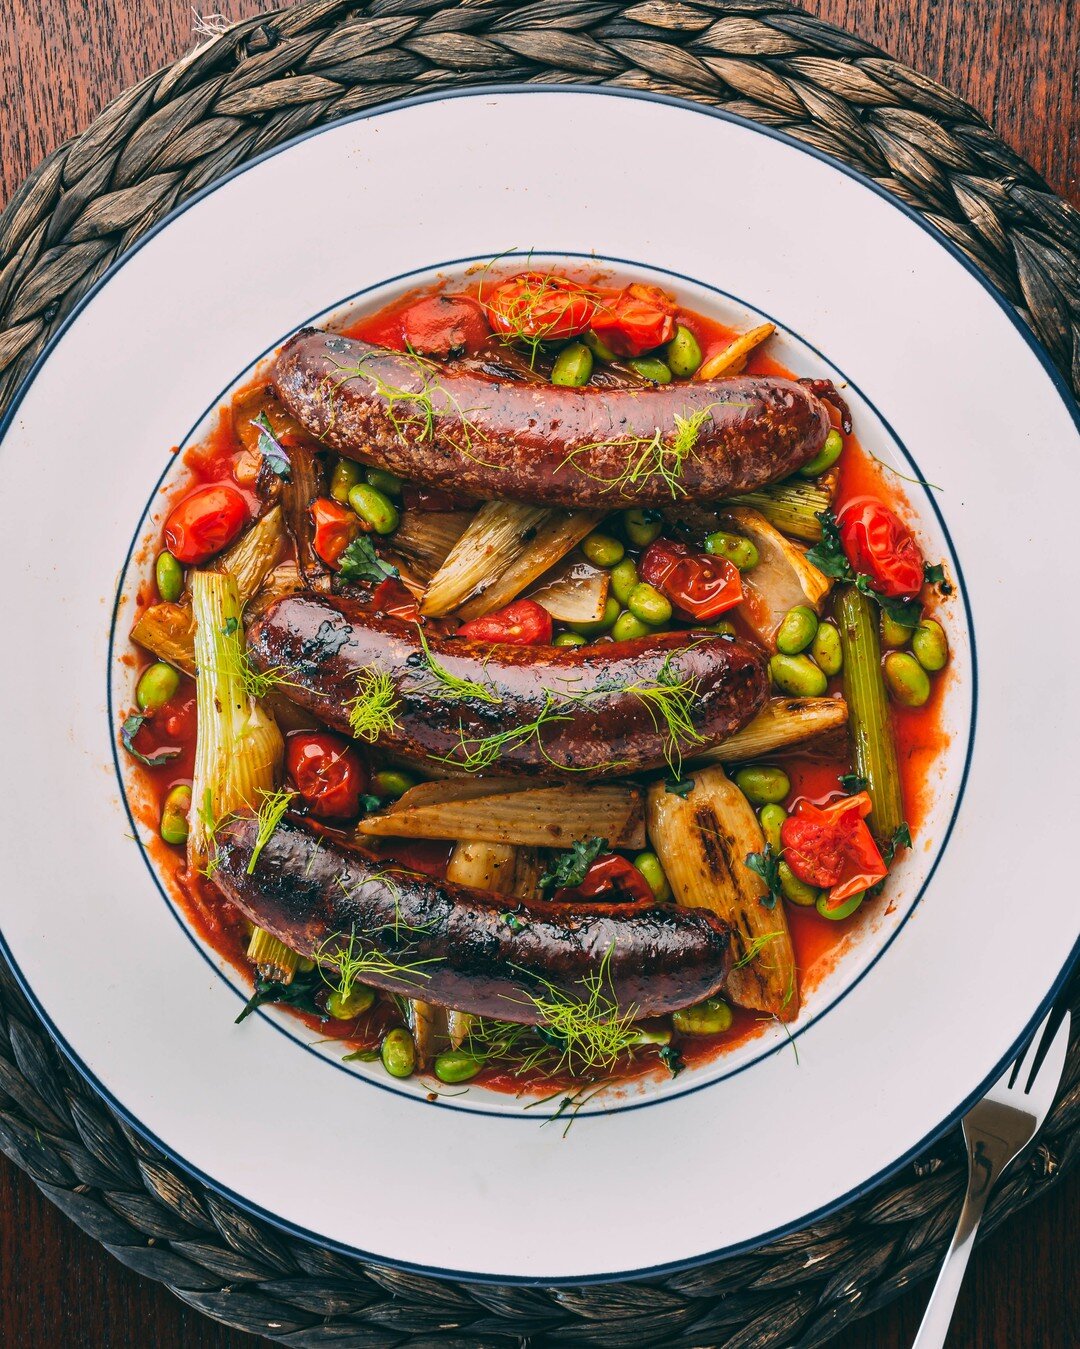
(892, 633)
(647, 603)
(387, 483)
(907, 680)
(723, 628)
(826, 649)
(651, 1037)
(763, 786)
(174, 815)
(827, 456)
(358, 999)
(710, 1017)
(844, 910)
(649, 865)
(641, 526)
(169, 575)
(797, 676)
(390, 783)
(347, 473)
(624, 578)
(797, 631)
(157, 684)
(569, 639)
(772, 819)
(599, 349)
(612, 610)
(374, 507)
(454, 1065)
(930, 645)
(398, 1053)
(626, 627)
(739, 551)
(651, 368)
(683, 353)
(573, 366)
(798, 892)
(602, 550)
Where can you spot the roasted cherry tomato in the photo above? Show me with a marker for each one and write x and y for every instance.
(831, 847)
(395, 600)
(327, 773)
(335, 528)
(535, 305)
(523, 623)
(444, 325)
(636, 320)
(205, 522)
(699, 585)
(611, 878)
(881, 546)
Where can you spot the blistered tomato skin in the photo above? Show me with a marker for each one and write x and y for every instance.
(878, 544)
(523, 623)
(700, 586)
(327, 773)
(204, 522)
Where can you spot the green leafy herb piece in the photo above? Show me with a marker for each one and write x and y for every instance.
(672, 1060)
(513, 921)
(301, 994)
(360, 562)
(934, 574)
(232, 625)
(361, 1056)
(132, 725)
(852, 783)
(571, 867)
(680, 787)
(368, 803)
(766, 864)
(277, 461)
(754, 947)
(901, 839)
(828, 555)
(373, 712)
(270, 814)
(905, 612)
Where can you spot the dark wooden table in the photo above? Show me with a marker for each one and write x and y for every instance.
(60, 62)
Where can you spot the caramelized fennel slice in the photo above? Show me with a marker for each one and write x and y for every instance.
(782, 724)
(782, 577)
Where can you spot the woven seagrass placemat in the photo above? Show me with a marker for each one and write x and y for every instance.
(250, 88)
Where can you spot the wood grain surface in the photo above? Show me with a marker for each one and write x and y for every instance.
(61, 61)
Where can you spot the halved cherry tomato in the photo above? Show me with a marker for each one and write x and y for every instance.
(523, 623)
(881, 546)
(327, 773)
(444, 325)
(636, 320)
(831, 846)
(335, 528)
(613, 874)
(699, 585)
(395, 600)
(205, 522)
(535, 305)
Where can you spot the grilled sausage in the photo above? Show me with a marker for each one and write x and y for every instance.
(463, 948)
(590, 447)
(590, 711)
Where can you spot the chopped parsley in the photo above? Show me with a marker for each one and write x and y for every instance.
(360, 562)
(571, 867)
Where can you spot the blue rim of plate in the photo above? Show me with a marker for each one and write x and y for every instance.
(1057, 381)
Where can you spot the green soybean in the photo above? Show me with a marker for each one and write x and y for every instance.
(612, 610)
(599, 349)
(573, 366)
(602, 550)
(772, 819)
(169, 575)
(454, 1065)
(649, 865)
(930, 645)
(711, 1017)
(641, 527)
(387, 483)
(826, 649)
(907, 680)
(626, 627)
(390, 783)
(157, 684)
(844, 910)
(374, 507)
(343, 1007)
(739, 551)
(174, 815)
(723, 628)
(398, 1053)
(827, 456)
(797, 631)
(683, 353)
(797, 676)
(624, 578)
(763, 786)
(798, 892)
(647, 603)
(569, 639)
(347, 473)
(651, 1037)
(651, 368)
(892, 633)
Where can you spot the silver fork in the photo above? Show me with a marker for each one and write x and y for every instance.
(996, 1130)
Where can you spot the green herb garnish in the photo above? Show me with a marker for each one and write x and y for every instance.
(271, 449)
(672, 1060)
(373, 711)
(766, 864)
(270, 814)
(452, 686)
(680, 787)
(852, 783)
(360, 562)
(571, 867)
(132, 725)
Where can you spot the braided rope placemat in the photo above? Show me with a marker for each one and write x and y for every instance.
(253, 86)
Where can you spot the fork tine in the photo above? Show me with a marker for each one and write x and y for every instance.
(1050, 1055)
(1035, 1039)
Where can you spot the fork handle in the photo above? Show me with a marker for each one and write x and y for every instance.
(982, 1176)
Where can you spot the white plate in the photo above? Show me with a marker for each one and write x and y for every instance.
(934, 995)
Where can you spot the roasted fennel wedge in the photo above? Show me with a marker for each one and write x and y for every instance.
(703, 841)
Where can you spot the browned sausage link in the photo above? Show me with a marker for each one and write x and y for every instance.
(591, 711)
(456, 946)
(590, 447)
